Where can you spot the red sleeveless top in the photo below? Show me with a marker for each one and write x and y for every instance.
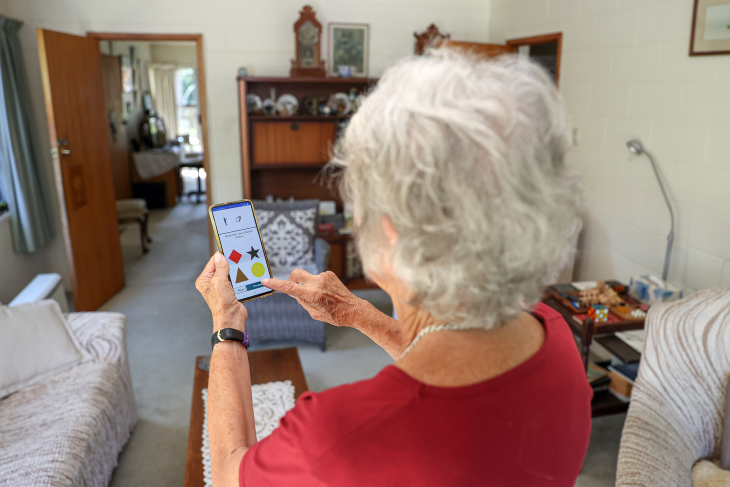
(527, 427)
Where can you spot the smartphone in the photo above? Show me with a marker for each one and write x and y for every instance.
(239, 240)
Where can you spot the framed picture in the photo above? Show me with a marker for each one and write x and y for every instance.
(710, 28)
(349, 49)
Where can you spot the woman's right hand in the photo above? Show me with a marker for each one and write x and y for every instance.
(323, 296)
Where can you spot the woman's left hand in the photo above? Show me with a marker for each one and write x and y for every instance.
(217, 290)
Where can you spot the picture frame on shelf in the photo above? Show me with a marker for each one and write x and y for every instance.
(349, 45)
(710, 28)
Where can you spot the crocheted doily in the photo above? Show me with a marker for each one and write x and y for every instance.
(270, 402)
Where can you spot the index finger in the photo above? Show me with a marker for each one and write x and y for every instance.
(288, 287)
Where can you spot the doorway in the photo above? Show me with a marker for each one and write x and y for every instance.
(152, 102)
(155, 64)
(544, 49)
(86, 135)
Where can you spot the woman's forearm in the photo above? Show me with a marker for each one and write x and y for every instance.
(231, 426)
(379, 327)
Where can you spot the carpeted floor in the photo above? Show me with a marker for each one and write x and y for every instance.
(169, 324)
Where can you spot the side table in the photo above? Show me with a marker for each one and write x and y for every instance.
(604, 403)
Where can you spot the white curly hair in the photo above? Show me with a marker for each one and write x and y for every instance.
(466, 157)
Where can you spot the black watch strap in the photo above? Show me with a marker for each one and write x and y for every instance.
(229, 334)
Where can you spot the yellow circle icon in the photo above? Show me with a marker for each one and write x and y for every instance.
(258, 269)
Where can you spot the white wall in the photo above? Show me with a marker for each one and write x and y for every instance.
(256, 34)
(16, 270)
(626, 73)
(180, 54)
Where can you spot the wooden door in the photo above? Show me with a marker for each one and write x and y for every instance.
(481, 48)
(111, 69)
(73, 89)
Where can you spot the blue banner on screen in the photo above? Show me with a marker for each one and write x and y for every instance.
(243, 248)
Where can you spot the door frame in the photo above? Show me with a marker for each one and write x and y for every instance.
(541, 39)
(202, 94)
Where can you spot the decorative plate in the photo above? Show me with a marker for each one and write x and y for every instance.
(287, 105)
(339, 103)
(253, 103)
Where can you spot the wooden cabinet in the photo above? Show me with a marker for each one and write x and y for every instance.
(281, 156)
(284, 156)
(293, 143)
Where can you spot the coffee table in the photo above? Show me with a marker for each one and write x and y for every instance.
(266, 366)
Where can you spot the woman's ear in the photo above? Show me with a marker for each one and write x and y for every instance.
(389, 230)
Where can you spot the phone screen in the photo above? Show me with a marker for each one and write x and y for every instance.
(241, 244)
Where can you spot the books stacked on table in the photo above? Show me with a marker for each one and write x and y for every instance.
(622, 378)
(634, 339)
(618, 378)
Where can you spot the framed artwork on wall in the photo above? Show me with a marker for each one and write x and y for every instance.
(710, 28)
(349, 49)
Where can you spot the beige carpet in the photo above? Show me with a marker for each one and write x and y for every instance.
(169, 324)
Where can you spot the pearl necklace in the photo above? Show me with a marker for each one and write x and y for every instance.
(431, 329)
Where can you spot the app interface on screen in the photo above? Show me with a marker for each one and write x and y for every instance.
(243, 249)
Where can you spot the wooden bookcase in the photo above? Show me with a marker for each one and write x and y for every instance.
(283, 156)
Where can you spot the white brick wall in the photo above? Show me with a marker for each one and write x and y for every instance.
(626, 73)
(256, 34)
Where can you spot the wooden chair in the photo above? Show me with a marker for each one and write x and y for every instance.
(135, 210)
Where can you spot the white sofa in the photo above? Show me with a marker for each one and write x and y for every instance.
(69, 429)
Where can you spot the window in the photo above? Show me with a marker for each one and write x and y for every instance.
(186, 94)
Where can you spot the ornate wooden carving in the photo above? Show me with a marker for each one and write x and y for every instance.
(307, 46)
(430, 37)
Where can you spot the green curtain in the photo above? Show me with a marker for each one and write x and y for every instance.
(23, 184)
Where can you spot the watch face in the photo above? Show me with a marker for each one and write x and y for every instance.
(308, 34)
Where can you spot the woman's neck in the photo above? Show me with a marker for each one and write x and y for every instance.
(412, 321)
(459, 358)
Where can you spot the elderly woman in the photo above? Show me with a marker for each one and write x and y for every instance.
(464, 208)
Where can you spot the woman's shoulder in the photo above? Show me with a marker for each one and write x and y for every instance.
(370, 395)
(321, 420)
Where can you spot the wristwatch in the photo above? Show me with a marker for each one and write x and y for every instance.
(229, 334)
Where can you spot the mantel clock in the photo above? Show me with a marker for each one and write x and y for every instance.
(307, 42)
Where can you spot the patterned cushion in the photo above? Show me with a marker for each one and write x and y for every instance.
(288, 231)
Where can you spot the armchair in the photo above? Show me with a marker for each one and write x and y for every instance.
(675, 416)
(287, 229)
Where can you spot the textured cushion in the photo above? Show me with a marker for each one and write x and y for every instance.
(288, 231)
(68, 430)
(35, 343)
(675, 416)
(131, 208)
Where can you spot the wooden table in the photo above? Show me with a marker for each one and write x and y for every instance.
(604, 403)
(266, 366)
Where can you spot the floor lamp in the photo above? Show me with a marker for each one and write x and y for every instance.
(637, 148)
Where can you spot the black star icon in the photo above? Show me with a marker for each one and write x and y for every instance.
(253, 253)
